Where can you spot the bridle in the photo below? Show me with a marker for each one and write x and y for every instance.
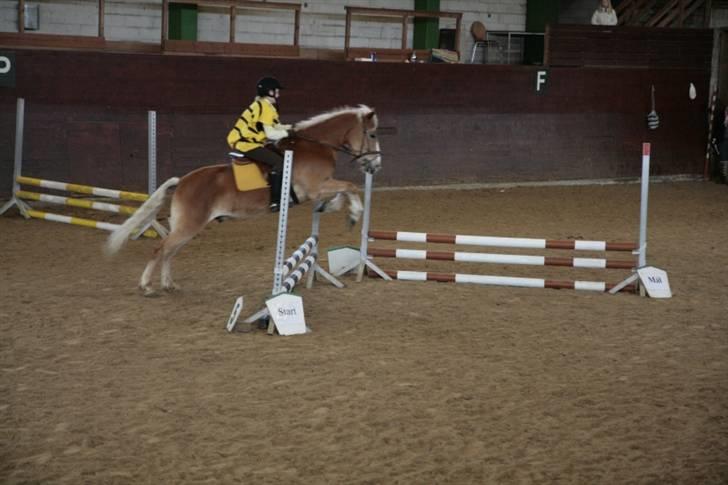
(341, 149)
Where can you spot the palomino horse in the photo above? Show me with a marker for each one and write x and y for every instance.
(210, 193)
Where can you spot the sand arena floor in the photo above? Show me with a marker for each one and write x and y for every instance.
(398, 382)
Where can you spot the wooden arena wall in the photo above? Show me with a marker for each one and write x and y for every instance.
(86, 116)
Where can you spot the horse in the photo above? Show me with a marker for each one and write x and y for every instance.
(209, 193)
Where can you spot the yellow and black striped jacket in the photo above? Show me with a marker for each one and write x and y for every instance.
(248, 132)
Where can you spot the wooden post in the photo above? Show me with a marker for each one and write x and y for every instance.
(546, 45)
(458, 31)
(102, 7)
(296, 26)
(165, 20)
(21, 16)
(347, 33)
(232, 23)
(405, 17)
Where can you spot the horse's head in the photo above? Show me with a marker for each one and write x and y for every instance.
(349, 130)
(362, 141)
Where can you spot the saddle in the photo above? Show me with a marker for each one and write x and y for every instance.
(247, 174)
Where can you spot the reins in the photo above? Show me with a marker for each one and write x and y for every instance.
(351, 153)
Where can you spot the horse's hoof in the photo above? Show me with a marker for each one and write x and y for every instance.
(171, 288)
(148, 291)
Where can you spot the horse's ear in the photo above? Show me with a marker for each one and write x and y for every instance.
(370, 115)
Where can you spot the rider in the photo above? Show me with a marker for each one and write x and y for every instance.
(257, 126)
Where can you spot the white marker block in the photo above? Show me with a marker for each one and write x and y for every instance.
(342, 260)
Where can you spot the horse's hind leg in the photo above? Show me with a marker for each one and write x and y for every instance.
(164, 254)
(171, 248)
(145, 283)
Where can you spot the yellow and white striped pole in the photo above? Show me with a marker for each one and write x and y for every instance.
(83, 189)
(79, 221)
(85, 204)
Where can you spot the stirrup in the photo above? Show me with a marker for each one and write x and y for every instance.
(275, 206)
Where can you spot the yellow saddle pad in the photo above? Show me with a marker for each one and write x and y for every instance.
(248, 177)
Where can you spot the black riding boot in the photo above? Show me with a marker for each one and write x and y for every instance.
(275, 179)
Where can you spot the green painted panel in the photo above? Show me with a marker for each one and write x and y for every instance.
(426, 31)
(182, 21)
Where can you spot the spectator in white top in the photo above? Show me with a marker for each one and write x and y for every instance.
(604, 14)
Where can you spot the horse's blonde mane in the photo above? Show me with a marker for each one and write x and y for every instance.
(360, 111)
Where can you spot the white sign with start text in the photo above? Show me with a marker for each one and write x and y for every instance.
(287, 314)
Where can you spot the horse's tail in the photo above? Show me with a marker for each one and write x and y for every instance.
(143, 216)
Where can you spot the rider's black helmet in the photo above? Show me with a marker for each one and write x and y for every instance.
(267, 84)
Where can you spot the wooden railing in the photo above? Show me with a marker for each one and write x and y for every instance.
(657, 13)
(629, 12)
(675, 12)
(232, 47)
(404, 52)
(21, 38)
(21, 17)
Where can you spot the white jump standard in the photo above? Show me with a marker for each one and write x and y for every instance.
(291, 271)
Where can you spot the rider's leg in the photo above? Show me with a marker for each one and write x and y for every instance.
(275, 162)
(275, 179)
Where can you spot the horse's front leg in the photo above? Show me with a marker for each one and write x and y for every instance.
(331, 197)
